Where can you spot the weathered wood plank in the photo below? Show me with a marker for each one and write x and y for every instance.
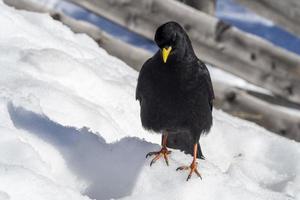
(133, 56)
(247, 105)
(206, 6)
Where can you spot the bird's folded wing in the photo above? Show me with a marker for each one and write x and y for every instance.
(206, 76)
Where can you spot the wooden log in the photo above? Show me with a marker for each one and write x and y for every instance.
(131, 55)
(248, 105)
(235, 101)
(26, 5)
(215, 42)
(206, 6)
(284, 13)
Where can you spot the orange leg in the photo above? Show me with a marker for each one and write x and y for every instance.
(163, 152)
(193, 166)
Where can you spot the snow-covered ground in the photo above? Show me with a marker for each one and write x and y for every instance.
(70, 129)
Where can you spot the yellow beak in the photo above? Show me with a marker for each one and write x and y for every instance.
(165, 53)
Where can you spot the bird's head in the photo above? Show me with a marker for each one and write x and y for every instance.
(173, 42)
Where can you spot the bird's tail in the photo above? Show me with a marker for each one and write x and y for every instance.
(185, 143)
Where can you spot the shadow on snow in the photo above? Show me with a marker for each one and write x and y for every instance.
(111, 169)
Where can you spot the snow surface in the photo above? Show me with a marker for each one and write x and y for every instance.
(70, 129)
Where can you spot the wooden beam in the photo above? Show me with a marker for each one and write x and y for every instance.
(206, 6)
(253, 106)
(131, 55)
(284, 13)
(215, 42)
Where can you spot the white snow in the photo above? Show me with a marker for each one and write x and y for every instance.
(70, 129)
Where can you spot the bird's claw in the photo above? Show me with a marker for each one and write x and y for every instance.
(193, 168)
(163, 152)
(150, 154)
(183, 168)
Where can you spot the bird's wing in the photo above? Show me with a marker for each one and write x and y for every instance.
(142, 82)
(206, 76)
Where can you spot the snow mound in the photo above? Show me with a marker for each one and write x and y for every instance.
(70, 129)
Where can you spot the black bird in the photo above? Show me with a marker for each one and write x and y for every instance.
(175, 92)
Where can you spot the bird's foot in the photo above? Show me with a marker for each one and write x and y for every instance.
(192, 168)
(158, 154)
